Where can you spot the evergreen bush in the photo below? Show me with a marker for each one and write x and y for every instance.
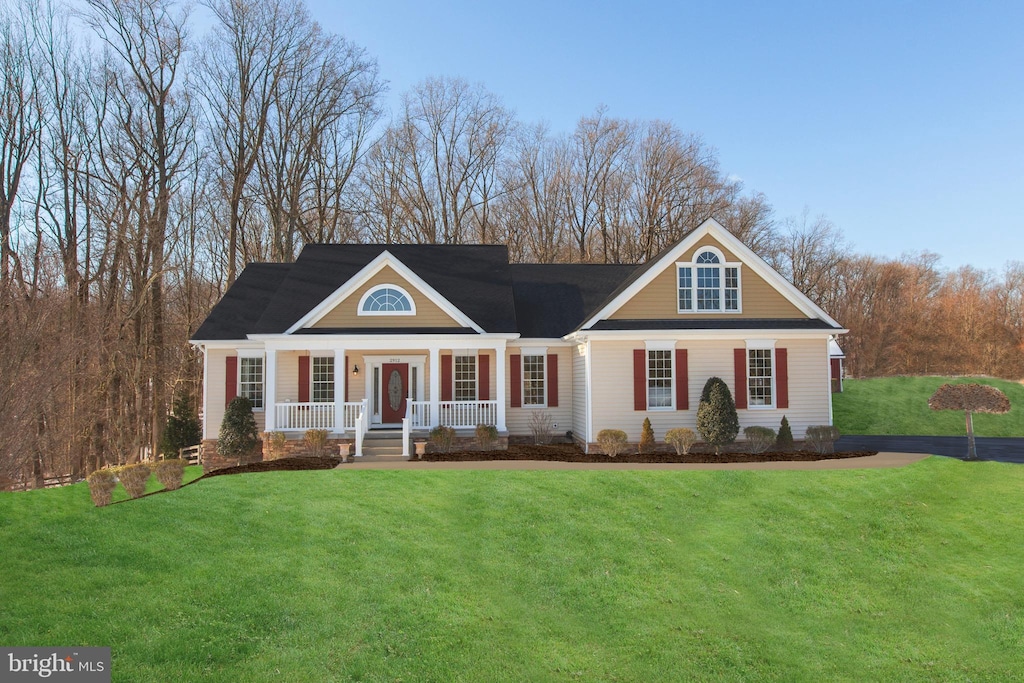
(101, 487)
(182, 428)
(681, 439)
(646, 444)
(612, 441)
(717, 420)
(784, 441)
(170, 473)
(238, 435)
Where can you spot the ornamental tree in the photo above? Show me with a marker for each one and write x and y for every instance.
(970, 398)
(182, 429)
(717, 420)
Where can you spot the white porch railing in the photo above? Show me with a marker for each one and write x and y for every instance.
(458, 414)
(298, 417)
(362, 425)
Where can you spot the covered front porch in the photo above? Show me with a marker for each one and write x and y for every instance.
(348, 387)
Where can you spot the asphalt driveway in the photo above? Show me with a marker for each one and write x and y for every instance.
(997, 449)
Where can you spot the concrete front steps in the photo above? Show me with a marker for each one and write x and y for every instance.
(385, 444)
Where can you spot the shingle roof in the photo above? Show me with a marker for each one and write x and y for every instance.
(474, 278)
(237, 313)
(552, 300)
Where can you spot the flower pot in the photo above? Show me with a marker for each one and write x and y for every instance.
(421, 449)
(345, 451)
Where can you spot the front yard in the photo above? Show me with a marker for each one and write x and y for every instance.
(900, 574)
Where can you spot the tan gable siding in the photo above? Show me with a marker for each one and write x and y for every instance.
(612, 392)
(517, 420)
(345, 314)
(659, 299)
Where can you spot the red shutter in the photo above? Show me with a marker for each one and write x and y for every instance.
(781, 378)
(552, 380)
(483, 363)
(739, 357)
(639, 379)
(230, 379)
(515, 366)
(303, 379)
(446, 378)
(682, 381)
(837, 375)
(346, 379)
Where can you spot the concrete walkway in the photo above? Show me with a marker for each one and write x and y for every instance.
(871, 461)
(989, 448)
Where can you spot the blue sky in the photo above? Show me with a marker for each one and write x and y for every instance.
(903, 123)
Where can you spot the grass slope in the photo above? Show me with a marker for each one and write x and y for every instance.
(899, 405)
(902, 574)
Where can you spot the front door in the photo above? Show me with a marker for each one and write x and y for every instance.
(394, 390)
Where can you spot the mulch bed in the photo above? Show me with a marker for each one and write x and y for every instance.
(280, 465)
(572, 453)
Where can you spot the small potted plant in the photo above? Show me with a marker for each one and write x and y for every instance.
(421, 448)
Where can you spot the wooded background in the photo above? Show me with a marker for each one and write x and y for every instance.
(142, 166)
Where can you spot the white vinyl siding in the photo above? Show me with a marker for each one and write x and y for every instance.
(517, 420)
(809, 396)
(579, 391)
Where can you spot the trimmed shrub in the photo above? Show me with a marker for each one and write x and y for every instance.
(316, 442)
(181, 430)
(717, 421)
(784, 441)
(275, 444)
(540, 427)
(646, 444)
(759, 439)
(133, 478)
(822, 438)
(442, 437)
(612, 441)
(681, 439)
(237, 429)
(101, 487)
(170, 473)
(486, 436)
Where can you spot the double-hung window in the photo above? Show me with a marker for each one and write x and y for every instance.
(659, 378)
(759, 377)
(533, 380)
(465, 378)
(708, 284)
(323, 379)
(250, 379)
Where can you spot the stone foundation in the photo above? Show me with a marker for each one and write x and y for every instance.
(212, 460)
(464, 443)
(296, 448)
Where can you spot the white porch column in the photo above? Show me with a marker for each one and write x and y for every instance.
(270, 392)
(339, 390)
(500, 370)
(435, 386)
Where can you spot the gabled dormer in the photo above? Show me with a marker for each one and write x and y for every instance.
(708, 275)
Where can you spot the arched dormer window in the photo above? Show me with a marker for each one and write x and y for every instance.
(708, 284)
(387, 300)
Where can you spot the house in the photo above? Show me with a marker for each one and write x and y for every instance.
(356, 338)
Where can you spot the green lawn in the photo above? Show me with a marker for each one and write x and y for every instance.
(901, 574)
(899, 405)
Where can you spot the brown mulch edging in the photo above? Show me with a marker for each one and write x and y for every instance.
(572, 453)
(280, 465)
